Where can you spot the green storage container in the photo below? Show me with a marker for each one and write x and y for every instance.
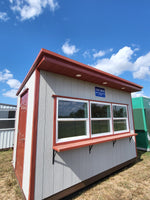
(141, 114)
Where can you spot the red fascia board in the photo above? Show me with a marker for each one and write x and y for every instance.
(92, 141)
(70, 61)
(88, 74)
(72, 67)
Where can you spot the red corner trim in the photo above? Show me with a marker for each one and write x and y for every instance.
(34, 137)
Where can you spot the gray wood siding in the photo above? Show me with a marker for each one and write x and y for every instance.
(73, 166)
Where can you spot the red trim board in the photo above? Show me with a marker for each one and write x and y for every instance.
(91, 141)
(34, 137)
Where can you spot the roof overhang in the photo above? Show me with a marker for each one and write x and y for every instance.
(52, 62)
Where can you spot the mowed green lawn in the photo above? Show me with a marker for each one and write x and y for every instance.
(130, 183)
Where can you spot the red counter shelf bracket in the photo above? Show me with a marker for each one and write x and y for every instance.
(90, 143)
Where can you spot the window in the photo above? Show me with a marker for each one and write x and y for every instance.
(120, 118)
(7, 119)
(85, 119)
(4, 124)
(100, 119)
(7, 114)
(72, 120)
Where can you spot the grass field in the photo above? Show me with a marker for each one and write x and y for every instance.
(131, 183)
(9, 188)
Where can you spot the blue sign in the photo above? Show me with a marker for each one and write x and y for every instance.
(99, 92)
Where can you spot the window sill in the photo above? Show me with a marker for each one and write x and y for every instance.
(92, 141)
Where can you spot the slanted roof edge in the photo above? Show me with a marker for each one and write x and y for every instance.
(46, 53)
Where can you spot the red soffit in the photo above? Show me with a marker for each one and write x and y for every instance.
(52, 62)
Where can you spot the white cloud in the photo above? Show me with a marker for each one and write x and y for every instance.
(142, 66)
(28, 9)
(117, 63)
(138, 94)
(14, 83)
(5, 75)
(122, 61)
(3, 16)
(142, 73)
(69, 49)
(10, 93)
(101, 53)
(86, 54)
(53, 4)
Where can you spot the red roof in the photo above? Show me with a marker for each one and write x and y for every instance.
(52, 62)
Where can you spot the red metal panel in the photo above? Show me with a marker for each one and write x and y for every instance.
(21, 136)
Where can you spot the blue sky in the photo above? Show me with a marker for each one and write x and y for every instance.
(113, 36)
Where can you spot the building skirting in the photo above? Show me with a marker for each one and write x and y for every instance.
(143, 149)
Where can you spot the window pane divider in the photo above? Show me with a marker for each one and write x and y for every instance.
(97, 119)
(119, 118)
(72, 119)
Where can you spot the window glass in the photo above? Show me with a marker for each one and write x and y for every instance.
(11, 114)
(7, 114)
(119, 111)
(71, 129)
(72, 119)
(100, 110)
(100, 126)
(72, 109)
(7, 124)
(120, 120)
(120, 125)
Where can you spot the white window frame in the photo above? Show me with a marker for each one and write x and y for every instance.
(72, 119)
(101, 119)
(121, 118)
(7, 119)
